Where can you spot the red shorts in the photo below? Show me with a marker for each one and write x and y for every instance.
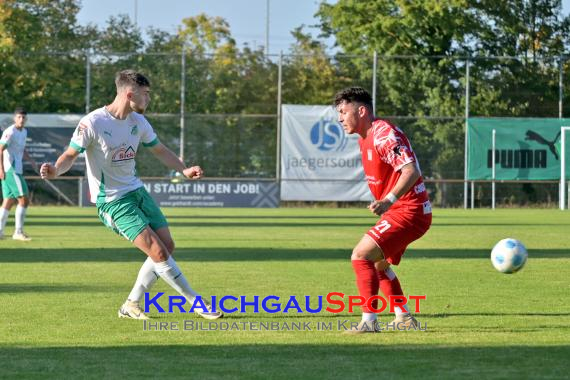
(397, 228)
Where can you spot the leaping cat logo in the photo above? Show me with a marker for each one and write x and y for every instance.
(533, 136)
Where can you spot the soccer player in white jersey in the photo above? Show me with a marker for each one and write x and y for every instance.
(14, 187)
(110, 137)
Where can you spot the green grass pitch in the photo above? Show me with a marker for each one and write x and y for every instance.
(59, 296)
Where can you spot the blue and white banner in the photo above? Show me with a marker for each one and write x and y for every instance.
(319, 162)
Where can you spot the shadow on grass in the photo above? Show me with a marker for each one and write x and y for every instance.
(358, 358)
(217, 216)
(19, 255)
(51, 288)
(249, 222)
(493, 314)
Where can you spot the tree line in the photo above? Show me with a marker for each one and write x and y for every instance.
(423, 48)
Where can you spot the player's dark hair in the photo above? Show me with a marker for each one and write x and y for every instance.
(354, 95)
(20, 111)
(131, 78)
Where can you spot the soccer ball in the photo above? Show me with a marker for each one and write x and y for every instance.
(508, 255)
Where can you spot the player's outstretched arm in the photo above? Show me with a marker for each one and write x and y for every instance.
(172, 161)
(63, 164)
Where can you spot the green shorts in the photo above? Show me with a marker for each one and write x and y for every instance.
(129, 215)
(14, 185)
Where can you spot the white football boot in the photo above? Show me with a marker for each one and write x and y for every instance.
(21, 236)
(132, 310)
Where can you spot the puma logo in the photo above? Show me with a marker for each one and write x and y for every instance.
(533, 136)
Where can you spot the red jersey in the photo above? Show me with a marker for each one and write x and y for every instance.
(384, 151)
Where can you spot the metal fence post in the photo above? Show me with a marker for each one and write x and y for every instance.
(560, 86)
(278, 141)
(465, 187)
(87, 81)
(182, 101)
(493, 168)
(80, 195)
(374, 68)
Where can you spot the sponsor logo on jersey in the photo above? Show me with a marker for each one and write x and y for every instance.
(327, 135)
(420, 188)
(427, 207)
(81, 128)
(124, 154)
(135, 130)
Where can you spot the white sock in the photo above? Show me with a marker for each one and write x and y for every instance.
(397, 310)
(20, 216)
(401, 310)
(169, 272)
(3, 218)
(145, 280)
(369, 317)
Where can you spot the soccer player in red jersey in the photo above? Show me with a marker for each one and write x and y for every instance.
(401, 201)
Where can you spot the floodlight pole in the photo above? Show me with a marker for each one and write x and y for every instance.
(267, 30)
(493, 174)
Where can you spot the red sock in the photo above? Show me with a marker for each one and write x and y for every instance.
(366, 281)
(389, 284)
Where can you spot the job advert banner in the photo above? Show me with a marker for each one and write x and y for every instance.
(48, 138)
(319, 162)
(208, 193)
(525, 148)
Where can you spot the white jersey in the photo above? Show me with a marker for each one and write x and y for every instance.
(14, 140)
(110, 147)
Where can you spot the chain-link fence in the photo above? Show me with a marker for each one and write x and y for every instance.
(222, 112)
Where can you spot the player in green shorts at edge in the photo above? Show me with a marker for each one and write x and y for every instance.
(109, 137)
(14, 187)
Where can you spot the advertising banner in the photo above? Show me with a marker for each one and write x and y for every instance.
(319, 162)
(525, 149)
(208, 193)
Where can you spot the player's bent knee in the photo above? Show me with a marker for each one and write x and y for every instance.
(360, 254)
(367, 249)
(8, 203)
(159, 256)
